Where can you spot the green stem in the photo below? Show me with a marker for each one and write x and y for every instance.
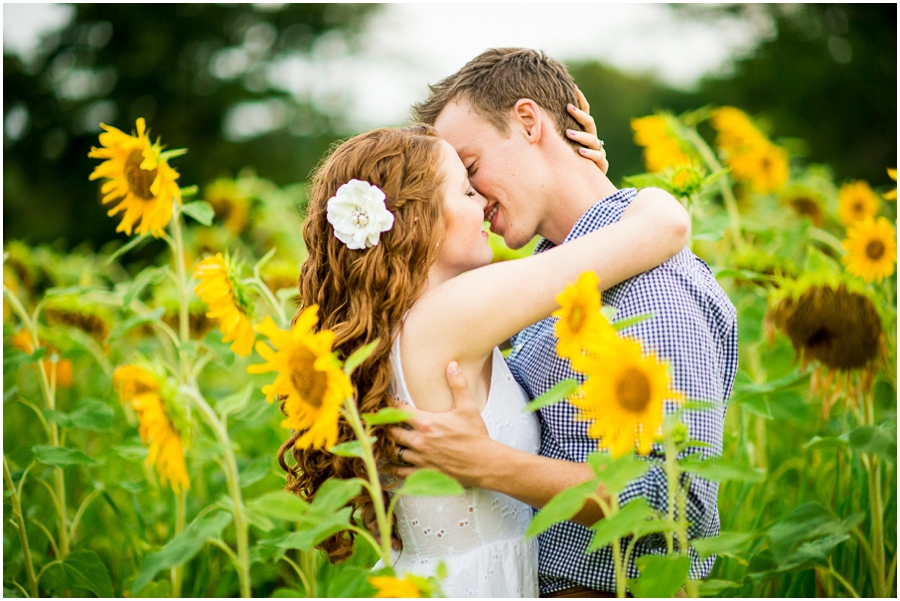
(183, 307)
(20, 522)
(302, 576)
(180, 513)
(841, 579)
(617, 555)
(309, 565)
(234, 488)
(78, 514)
(712, 163)
(672, 476)
(874, 473)
(50, 399)
(352, 415)
(271, 298)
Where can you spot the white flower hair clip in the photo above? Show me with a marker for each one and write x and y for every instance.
(358, 214)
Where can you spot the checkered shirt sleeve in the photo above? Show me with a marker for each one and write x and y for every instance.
(694, 329)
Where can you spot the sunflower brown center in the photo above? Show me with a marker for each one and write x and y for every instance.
(139, 180)
(576, 318)
(875, 249)
(309, 382)
(633, 390)
(858, 208)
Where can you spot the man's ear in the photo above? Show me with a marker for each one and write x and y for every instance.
(526, 119)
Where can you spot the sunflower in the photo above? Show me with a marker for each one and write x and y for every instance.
(580, 322)
(856, 201)
(662, 147)
(871, 249)
(749, 154)
(140, 390)
(834, 324)
(623, 396)
(310, 381)
(228, 301)
(891, 194)
(90, 320)
(230, 203)
(141, 181)
(22, 341)
(397, 588)
(805, 202)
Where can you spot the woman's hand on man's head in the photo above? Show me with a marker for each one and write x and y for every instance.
(593, 149)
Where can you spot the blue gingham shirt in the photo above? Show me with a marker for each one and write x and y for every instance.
(694, 329)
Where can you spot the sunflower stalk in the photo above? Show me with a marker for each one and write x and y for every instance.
(352, 415)
(871, 465)
(50, 400)
(15, 501)
(234, 488)
(712, 163)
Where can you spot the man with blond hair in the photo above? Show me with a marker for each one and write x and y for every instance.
(503, 114)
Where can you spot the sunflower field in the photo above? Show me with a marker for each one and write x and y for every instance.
(149, 386)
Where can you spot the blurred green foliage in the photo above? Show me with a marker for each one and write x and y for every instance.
(827, 75)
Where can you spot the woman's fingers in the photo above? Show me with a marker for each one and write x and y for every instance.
(582, 101)
(584, 119)
(597, 156)
(584, 138)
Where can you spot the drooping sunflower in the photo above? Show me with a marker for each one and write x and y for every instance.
(806, 202)
(580, 323)
(141, 391)
(68, 311)
(835, 325)
(141, 181)
(856, 201)
(662, 147)
(230, 203)
(309, 380)
(228, 301)
(750, 155)
(871, 249)
(22, 341)
(397, 588)
(623, 396)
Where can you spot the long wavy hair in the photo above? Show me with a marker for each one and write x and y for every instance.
(364, 294)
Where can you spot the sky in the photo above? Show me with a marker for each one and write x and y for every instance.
(375, 78)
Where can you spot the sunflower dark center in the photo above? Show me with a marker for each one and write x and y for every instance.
(858, 208)
(139, 180)
(838, 328)
(633, 390)
(576, 318)
(309, 382)
(875, 249)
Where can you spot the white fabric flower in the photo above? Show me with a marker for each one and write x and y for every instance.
(358, 214)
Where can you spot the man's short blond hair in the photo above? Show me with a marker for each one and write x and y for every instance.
(496, 79)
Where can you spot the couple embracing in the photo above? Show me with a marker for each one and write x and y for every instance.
(398, 252)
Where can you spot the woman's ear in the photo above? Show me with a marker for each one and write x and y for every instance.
(526, 119)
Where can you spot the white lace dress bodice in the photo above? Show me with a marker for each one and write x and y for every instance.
(480, 534)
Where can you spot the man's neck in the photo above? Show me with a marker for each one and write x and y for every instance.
(578, 185)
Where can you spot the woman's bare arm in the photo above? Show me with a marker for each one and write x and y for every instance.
(465, 317)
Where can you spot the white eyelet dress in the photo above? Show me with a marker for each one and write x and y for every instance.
(478, 535)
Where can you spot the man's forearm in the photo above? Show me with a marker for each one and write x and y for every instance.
(535, 480)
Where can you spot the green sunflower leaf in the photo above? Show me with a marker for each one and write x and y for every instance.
(388, 415)
(150, 275)
(359, 355)
(133, 322)
(90, 414)
(61, 456)
(430, 483)
(561, 507)
(200, 210)
(660, 576)
(556, 394)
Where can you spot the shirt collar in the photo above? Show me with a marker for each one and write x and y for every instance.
(589, 221)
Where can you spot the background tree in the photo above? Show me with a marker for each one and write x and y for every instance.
(186, 68)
